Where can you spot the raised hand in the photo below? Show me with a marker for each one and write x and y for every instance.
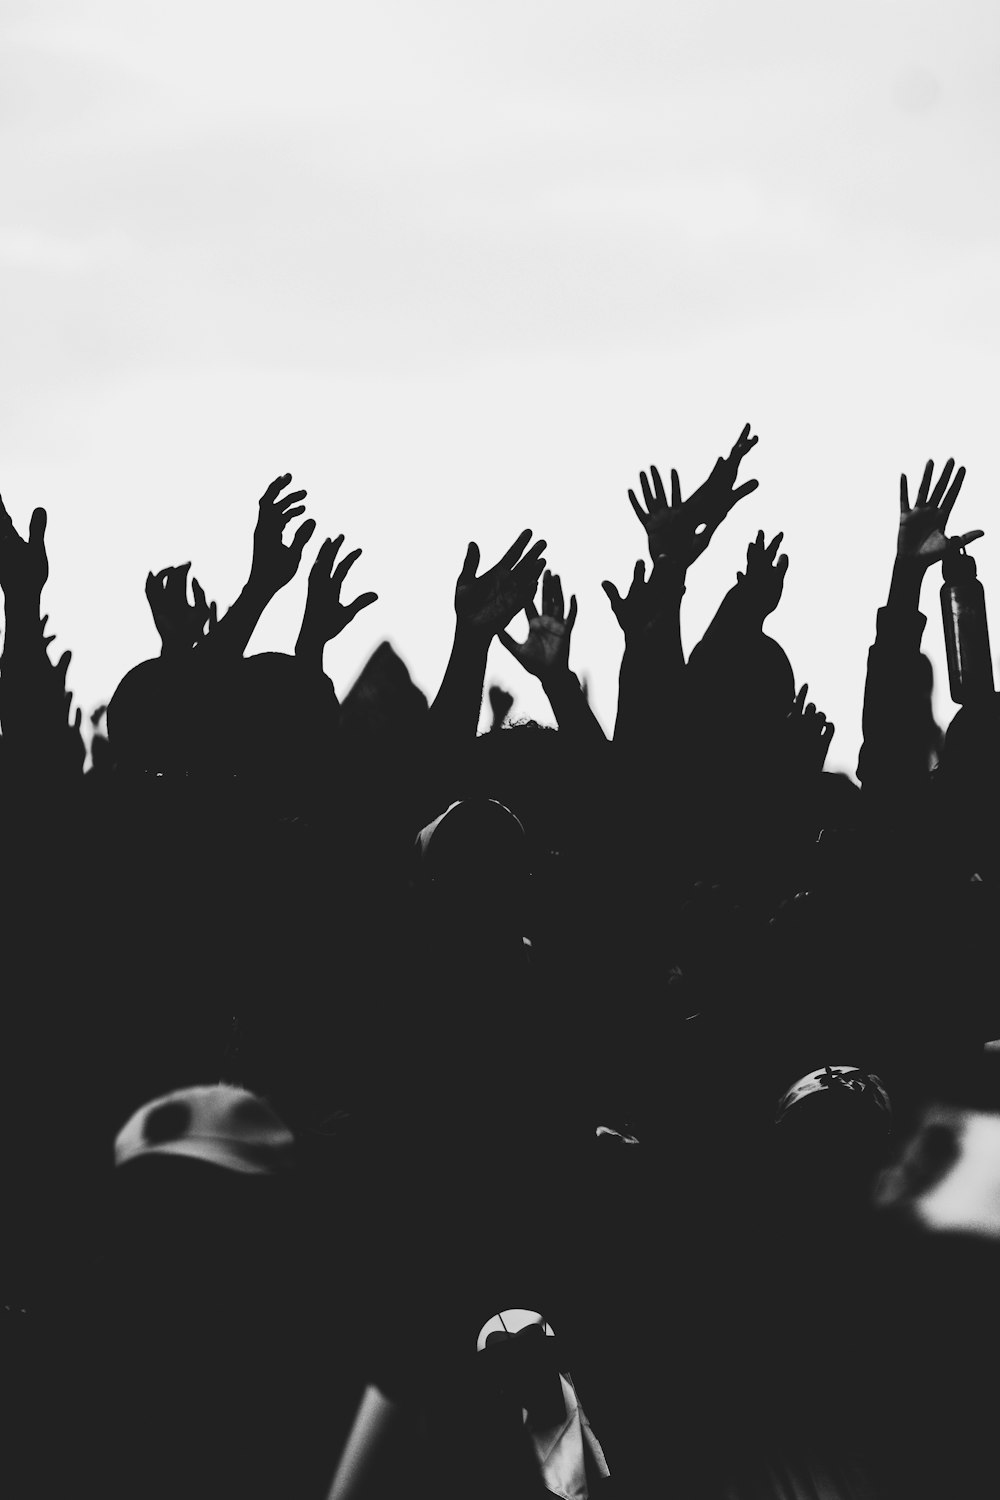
(764, 579)
(921, 539)
(24, 565)
(719, 493)
(325, 616)
(274, 564)
(52, 707)
(75, 749)
(807, 734)
(486, 604)
(272, 567)
(639, 609)
(679, 531)
(181, 625)
(546, 651)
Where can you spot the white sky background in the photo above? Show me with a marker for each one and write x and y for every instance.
(465, 268)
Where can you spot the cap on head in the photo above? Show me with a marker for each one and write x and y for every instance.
(220, 1124)
(837, 1081)
(472, 835)
(512, 1321)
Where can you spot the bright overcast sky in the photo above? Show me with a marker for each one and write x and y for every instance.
(465, 268)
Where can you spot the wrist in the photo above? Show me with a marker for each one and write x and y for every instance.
(907, 577)
(472, 639)
(310, 642)
(22, 608)
(753, 610)
(670, 571)
(906, 562)
(558, 681)
(258, 590)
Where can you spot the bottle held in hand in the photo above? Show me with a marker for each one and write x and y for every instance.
(966, 636)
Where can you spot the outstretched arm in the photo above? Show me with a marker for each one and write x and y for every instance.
(24, 571)
(325, 616)
(651, 683)
(33, 696)
(920, 540)
(806, 737)
(272, 567)
(545, 654)
(181, 625)
(681, 532)
(755, 595)
(892, 756)
(651, 680)
(484, 605)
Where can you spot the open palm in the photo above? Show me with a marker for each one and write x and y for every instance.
(921, 537)
(24, 565)
(487, 604)
(680, 530)
(546, 651)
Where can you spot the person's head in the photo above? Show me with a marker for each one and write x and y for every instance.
(741, 700)
(477, 837)
(265, 719)
(213, 1302)
(151, 718)
(831, 1133)
(543, 776)
(220, 1124)
(519, 1350)
(472, 864)
(194, 1169)
(972, 744)
(838, 801)
(286, 717)
(830, 814)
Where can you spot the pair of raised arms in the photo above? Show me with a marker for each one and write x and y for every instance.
(184, 624)
(678, 531)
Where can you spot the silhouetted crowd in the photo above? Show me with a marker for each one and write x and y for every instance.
(397, 1110)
